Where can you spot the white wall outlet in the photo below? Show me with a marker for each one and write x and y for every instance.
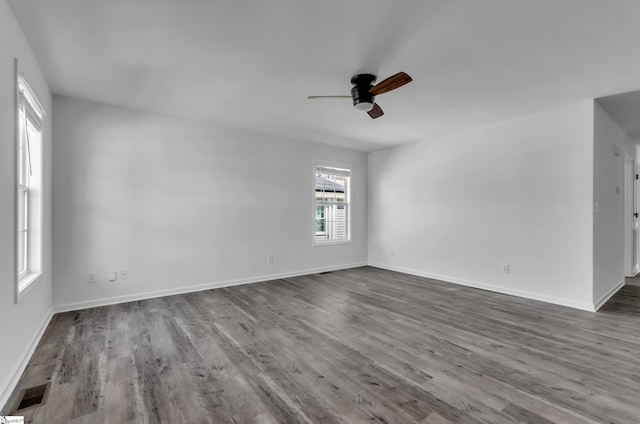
(505, 268)
(393, 252)
(123, 274)
(112, 276)
(270, 259)
(92, 278)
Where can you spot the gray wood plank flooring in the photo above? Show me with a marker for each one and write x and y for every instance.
(355, 346)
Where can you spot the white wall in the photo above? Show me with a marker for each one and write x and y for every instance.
(183, 205)
(519, 193)
(608, 189)
(21, 323)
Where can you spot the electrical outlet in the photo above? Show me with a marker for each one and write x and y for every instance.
(92, 278)
(505, 268)
(123, 275)
(270, 259)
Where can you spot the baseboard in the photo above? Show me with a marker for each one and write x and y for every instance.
(190, 289)
(608, 295)
(636, 270)
(490, 287)
(6, 394)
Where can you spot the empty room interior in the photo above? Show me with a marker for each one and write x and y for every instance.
(329, 212)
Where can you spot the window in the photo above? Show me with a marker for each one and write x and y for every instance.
(332, 203)
(28, 187)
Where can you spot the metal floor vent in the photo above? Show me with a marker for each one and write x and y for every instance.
(32, 397)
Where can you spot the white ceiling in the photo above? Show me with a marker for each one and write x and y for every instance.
(252, 63)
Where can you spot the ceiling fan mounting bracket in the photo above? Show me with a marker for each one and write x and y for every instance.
(363, 79)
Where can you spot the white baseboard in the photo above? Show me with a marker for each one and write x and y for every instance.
(6, 393)
(636, 270)
(608, 295)
(189, 289)
(490, 287)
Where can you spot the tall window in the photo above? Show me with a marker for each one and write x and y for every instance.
(332, 203)
(29, 187)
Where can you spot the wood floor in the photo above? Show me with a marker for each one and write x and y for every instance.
(354, 346)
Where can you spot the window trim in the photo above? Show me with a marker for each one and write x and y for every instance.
(24, 97)
(23, 191)
(349, 204)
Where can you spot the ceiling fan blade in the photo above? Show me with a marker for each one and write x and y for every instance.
(376, 112)
(328, 97)
(391, 83)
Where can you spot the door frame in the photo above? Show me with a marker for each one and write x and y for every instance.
(629, 219)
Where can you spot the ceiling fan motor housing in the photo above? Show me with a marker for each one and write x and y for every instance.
(362, 83)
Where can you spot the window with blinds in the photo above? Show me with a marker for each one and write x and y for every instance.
(28, 187)
(332, 203)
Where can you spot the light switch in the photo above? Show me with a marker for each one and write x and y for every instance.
(112, 275)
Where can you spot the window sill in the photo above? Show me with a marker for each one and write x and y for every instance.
(331, 243)
(26, 283)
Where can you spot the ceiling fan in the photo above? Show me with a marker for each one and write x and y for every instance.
(364, 92)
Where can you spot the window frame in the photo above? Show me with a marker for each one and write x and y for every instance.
(348, 204)
(29, 187)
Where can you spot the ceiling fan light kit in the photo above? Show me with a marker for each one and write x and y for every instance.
(363, 92)
(363, 105)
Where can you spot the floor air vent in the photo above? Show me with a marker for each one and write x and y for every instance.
(32, 397)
